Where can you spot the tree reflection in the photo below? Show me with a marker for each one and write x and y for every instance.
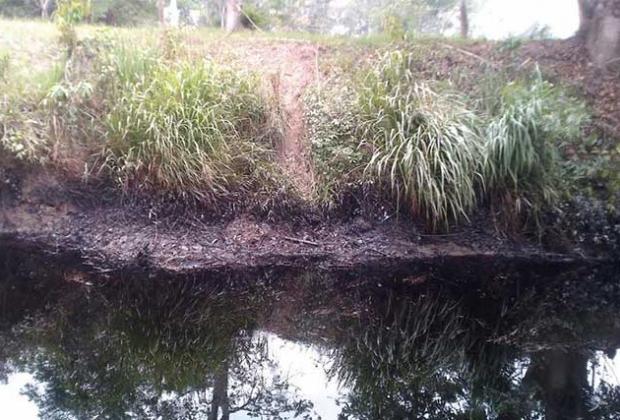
(137, 352)
(183, 348)
(459, 355)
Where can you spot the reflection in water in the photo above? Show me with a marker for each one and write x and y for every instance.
(309, 346)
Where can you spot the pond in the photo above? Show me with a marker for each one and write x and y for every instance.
(308, 345)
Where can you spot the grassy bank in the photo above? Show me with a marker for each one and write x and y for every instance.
(440, 154)
(144, 112)
(425, 129)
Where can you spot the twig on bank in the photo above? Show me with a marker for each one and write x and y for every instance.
(439, 235)
(470, 54)
(301, 241)
(371, 250)
(378, 252)
(250, 20)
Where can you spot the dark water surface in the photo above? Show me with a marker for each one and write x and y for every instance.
(307, 345)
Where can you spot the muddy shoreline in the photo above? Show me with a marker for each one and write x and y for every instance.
(42, 217)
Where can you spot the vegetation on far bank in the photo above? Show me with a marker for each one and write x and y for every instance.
(165, 113)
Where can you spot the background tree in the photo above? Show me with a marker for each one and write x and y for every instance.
(45, 8)
(600, 30)
(124, 12)
(232, 15)
(161, 4)
(464, 18)
(20, 8)
(586, 13)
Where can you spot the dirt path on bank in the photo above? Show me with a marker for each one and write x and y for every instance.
(292, 69)
(288, 68)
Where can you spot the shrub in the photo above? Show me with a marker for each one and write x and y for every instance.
(68, 14)
(425, 147)
(338, 161)
(394, 27)
(522, 163)
(5, 62)
(193, 129)
(124, 12)
(122, 66)
(254, 18)
(26, 117)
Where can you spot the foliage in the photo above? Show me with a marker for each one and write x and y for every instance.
(25, 120)
(254, 17)
(425, 147)
(151, 120)
(124, 12)
(338, 161)
(5, 61)
(68, 14)
(416, 142)
(510, 44)
(19, 8)
(189, 128)
(521, 165)
(111, 12)
(172, 45)
(394, 27)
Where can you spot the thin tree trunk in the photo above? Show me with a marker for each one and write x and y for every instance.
(464, 19)
(44, 4)
(220, 394)
(161, 4)
(233, 15)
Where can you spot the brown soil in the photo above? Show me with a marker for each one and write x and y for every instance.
(288, 68)
(296, 70)
(564, 61)
(568, 62)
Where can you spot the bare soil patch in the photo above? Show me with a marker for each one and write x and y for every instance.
(288, 68)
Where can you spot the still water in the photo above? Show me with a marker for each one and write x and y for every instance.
(307, 345)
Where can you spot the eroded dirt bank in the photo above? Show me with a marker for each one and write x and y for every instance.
(41, 216)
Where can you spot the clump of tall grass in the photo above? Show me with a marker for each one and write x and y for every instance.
(337, 159)
(193, 129)
(5, 61)
(522, 164)
(425, 147)
(27, 115)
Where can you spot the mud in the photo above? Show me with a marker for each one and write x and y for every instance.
(108, 237)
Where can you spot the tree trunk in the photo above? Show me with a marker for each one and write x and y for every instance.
(45, 5)
(601, 32)
(586, 12)
(161, 5)
(561, 378)
(233, 15)
(220, 394)
(464, 19)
